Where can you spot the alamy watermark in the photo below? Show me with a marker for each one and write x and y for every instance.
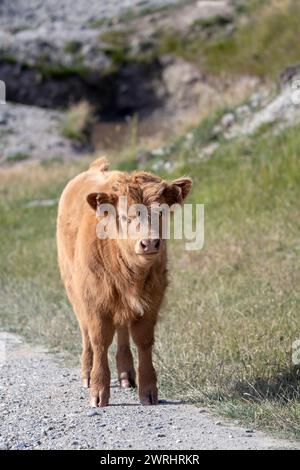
(2, 92)
(160, 221)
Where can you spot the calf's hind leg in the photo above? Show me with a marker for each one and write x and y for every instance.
(86, 358)
(125, 367)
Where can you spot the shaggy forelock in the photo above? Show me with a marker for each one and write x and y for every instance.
(139, 188)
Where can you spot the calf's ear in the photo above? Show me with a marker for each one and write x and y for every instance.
(176, 191)
(95, 199)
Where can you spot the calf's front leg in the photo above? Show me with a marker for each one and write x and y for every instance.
(101, 332)
(142, 332)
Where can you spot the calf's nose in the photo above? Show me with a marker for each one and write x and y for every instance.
(150, 246)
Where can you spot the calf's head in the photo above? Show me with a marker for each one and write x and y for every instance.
(130, 213)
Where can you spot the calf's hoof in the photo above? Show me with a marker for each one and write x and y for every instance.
(127, 380)
(86, 383)
(149, 395)
(100, 399)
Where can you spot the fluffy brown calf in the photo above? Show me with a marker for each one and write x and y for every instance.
(114, 285)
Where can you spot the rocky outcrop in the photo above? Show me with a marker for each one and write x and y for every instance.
(267, 111)
(110, 94)
(28, 132)
(277, 109)
(54, 53)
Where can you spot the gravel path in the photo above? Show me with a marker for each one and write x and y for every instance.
(44, 407)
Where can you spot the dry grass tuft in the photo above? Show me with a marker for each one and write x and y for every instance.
(78, 122)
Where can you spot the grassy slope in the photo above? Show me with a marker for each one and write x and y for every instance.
(263, 42)
(233, 309)
(263, 46)
(240, 295)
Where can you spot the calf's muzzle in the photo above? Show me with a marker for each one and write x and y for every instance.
(149, 246)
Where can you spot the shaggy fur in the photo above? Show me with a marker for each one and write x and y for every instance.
(111, 286)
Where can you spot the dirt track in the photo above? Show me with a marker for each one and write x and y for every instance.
(44, 407)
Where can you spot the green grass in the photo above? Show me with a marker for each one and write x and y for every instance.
(236, 304)
(49, 69)
(262, 44)
(34, 303)
(17, 157)
(212, 22)
(100, 22)
(115, 45)
(72, 47)
(131, 15)
(232, 313)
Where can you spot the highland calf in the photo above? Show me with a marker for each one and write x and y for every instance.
(114, 284)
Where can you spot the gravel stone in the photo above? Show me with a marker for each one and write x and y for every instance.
(92, 413)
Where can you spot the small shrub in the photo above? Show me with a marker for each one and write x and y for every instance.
(72, 47)
(78, 121)
(17, 157)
